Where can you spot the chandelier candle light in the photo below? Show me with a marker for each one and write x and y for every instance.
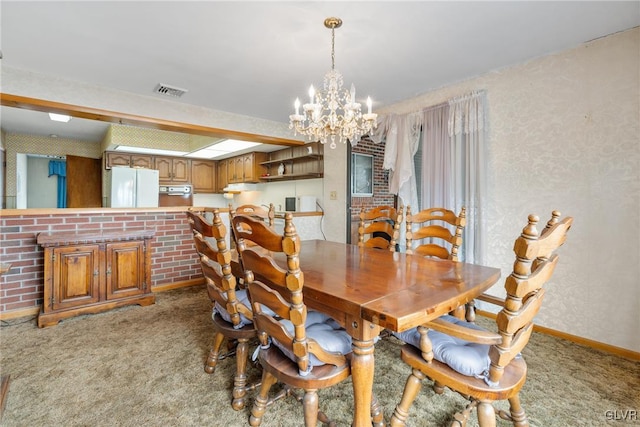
(332, 114)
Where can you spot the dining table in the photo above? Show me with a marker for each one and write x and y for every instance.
(368, 290)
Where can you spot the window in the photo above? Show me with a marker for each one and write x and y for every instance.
(362, 175)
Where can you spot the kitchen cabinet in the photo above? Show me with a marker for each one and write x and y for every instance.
(114, 158)
(300, 162)
(94, 271)
(235, 170)
(173, 169)
(222, 175)
(203, 176)
(246, 168)
(252, 166)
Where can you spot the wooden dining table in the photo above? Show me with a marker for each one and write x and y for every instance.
(367, 290)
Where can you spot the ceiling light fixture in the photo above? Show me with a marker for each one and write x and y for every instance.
(59, 117)
(332, 115)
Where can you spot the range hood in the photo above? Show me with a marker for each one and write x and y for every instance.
(238, 188)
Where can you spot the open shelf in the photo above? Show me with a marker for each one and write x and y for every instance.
(301, 162)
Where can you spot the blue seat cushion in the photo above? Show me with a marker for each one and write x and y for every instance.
(465, 357)
(243, 298)
(325, 331)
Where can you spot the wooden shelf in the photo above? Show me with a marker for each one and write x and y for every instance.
(291, 176)
(304, 162)
(291, 159)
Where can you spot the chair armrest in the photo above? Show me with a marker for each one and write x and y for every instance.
(464, 333)
(491, 299)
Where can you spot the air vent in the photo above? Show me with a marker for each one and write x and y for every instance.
(172, 91)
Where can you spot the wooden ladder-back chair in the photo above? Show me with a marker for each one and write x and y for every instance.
(232, 316)
(441, 241)
(481, 365)
(303, 350)
(254, 211)
(379, 227)
(434, 226)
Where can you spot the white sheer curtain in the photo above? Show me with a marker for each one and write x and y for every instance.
(437, 160)
(402, 136)
(467, 132)
(453, 162)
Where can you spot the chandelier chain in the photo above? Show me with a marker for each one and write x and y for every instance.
(333, 49)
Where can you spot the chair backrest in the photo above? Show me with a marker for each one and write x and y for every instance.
(431, 225)
(277, 285)
(255, 211)
(216, 263)
(533, 267)
(380, 227)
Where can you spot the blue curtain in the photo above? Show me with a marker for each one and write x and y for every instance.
(59, 167)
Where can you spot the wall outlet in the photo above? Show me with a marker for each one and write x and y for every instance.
(333, 195)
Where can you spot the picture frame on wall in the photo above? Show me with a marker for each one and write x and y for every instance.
(361, 175)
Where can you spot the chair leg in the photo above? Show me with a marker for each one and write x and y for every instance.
(486, 414)
(517, 415)
(411, 390)
(310, 407)
(261, 400)
(240, 380)
(212, 360)
(377, 415)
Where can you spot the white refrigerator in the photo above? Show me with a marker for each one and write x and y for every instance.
(133, 188)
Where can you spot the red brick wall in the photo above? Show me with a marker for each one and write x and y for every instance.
(381, 195)
(173, 257)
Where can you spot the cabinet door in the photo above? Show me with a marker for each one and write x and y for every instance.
(116, 159)
(203, 174)
(141, 161)
(76, 276)
(163, 165)
(222, 172)
(251, 167)
(235, 170)
(125, 269)
(181, 170)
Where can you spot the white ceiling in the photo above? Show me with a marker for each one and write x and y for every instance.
(255, 58)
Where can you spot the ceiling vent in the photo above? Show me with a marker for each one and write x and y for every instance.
(172, 91)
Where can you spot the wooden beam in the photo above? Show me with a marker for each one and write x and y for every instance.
(46, 106)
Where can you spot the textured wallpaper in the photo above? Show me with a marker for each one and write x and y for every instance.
(31, 144)
(565, 134)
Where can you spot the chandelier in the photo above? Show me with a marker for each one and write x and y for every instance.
(332, 115)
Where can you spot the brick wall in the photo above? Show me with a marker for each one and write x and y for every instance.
(381, 195)
(173, 257)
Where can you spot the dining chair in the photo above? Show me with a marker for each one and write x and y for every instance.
(481, 365)
(438, 233)
(433, 227)
(232, 315)
(258, 212)
(302, 349)
(379, 227)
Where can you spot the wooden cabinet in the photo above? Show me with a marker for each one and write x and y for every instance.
(246, 168)
(222, 175)
(173, 169)
(234, 170)
(93, 271)
(114, 158)
(252, 167)
(300, 162)
(203, 176)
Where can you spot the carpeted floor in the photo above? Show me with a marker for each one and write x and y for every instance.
(143, 366)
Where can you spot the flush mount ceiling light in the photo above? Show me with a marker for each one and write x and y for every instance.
(59, 117)
(224, 147)
(332, 115)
